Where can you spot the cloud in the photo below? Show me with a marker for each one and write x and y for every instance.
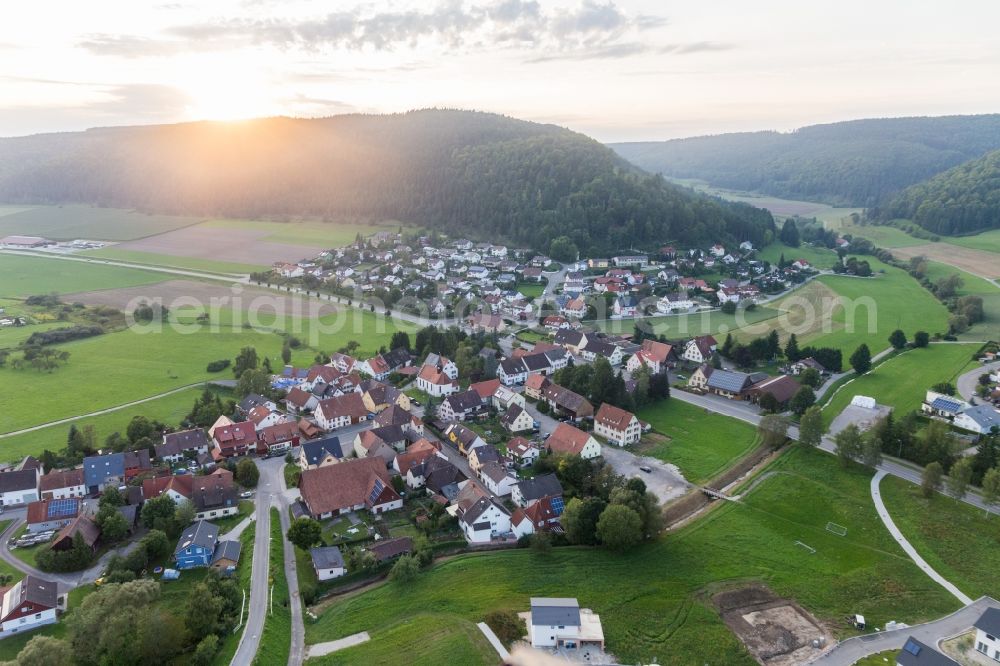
(695, 47)
(608, 52)
(453, 24)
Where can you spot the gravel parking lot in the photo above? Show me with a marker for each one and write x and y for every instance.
(663, 479)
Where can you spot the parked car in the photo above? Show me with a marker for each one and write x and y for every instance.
(247, 495)
(646, 468)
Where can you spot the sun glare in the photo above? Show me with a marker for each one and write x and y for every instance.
(227, 96)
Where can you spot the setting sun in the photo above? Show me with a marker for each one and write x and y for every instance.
(222, 94)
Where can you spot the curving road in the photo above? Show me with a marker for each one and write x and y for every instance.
(966, 384)
(260, 568)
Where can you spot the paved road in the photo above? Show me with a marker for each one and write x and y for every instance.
(259, 574)
(906, 546)
(746, 412)
(220, 277)
(967, 383)
(297, 653)
(102, 411)
(850, 651)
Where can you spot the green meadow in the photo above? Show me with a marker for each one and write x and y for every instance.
(22, 276)
(902, 381)
(988, 241)
(314, 234)
(973, 285)
(820, 257)
(654, 600)
(171, 261)
(701, 444)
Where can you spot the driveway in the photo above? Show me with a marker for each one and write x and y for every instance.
(967, 383)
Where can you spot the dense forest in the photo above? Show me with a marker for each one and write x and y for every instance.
(962, 200)
(856, 163)
(471, 173)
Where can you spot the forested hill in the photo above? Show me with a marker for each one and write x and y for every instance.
(961, 200)
(471, 173)
(856, 163)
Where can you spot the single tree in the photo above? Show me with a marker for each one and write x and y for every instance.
(769, 404)
(991, 488)
(245, 360)
(619, 527)
(861, 359)
(803, 399)
(921, 339)
(848, 444)
(579, 519)
(959, 477)
(773, 430)
(247, 474)
(930, 482)
(871, 451)
(897, 339)
(405, 569)
(811, 426)
(792, 349)
(185, 514)
(305, 533)
(810, 377)
(286, 353)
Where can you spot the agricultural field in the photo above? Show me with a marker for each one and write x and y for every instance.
(117, 368)
(902, 381)
(74, 222)
(701, 444)
(989, 328)
(882, 235)
(945, 532)
(22, 276)
(987, 240)
(898, 302)
(979, 262)
(664, 612)
(322, 235)
(820, 257)
(777, 206)
(115, 253)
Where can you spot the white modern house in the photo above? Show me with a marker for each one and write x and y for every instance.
(561, 623)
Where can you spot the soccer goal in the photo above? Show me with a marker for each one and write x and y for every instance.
(812, 551)
(839, 530)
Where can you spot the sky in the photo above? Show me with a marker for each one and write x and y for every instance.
(618, 70)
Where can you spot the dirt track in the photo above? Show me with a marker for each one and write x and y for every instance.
(194, 292)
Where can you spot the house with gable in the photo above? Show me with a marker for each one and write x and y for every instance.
(30, 603)
(196, 547)
(235, 440)
(569, 440)
(340, 411)
(617, 425)
(699, 349)
(320, 453)
(350, 485)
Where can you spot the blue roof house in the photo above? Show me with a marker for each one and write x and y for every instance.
(196, 546)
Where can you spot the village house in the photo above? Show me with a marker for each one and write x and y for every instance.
(539, 517)
(82, 525)
(278, 439)
(484, 521)
(31, 603)
(522, 452)
(350, 485)
(464, 438)
(487, 323)
(262, 417)
(569, 440)
(62, 484)
(517, 419)
(237, 439)
(575, 308)
(114, 469)
(197, 545)
(384, 443)
(377, 396)
(462, 407)
(988, 634)
(340, 411)
(414, 454)
(320, 453)
(981, 419)
(535, 385)
(299, 400)
(52, 514)
(677, 301)
(599, 347)
(699, 349)
(328, 562)
(567, 403)
(802, 365)
(177, 446)
(558, 623)
(617, 425)
(657, 356)
(529, 491)
(732, 385)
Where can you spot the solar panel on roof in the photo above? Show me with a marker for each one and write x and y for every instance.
(377, 489)
(62, 508)
(557, 505)
(912, 648)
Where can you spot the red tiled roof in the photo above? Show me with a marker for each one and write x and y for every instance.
(486, 389)
(349, 404)
(567, 439)
(341, 486)
(56, 480)
(658, 351)
(613, 417)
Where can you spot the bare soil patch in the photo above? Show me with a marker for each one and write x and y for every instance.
(978, 262)
(187, 293)
(242, 246)
(776, 631)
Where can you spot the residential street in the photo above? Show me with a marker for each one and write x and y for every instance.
(295, 656)
(269, 484)
(967, 383)
(848, 652)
